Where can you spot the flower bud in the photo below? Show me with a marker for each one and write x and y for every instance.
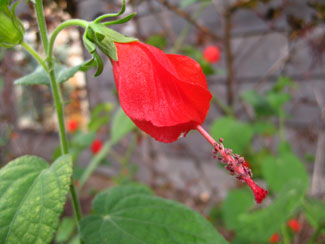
(11, 29)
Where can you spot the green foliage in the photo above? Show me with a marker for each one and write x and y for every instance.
(32, 196)
(131, 215)
(280, 170)
(237, 135)
(198, 56)
(158, 41)
(121, 125)
(100, 116)
(237, 202)
(1, 83)
(258, 226)
(271, 102)
(65, 230)
(186, 3)
(104, 39)
(40, 77)
(314, 210)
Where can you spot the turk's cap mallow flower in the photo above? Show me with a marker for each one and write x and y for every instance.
(11, 29)
(165, 95)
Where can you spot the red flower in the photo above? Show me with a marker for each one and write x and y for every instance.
(211, 54)
(165, 95)
(73, 125)
(294, 225)
(96, 146)
(274, 238)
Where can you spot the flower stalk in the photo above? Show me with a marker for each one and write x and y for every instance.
(234, 164)
(56, 92)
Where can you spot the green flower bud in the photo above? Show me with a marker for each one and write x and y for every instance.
(11, 29)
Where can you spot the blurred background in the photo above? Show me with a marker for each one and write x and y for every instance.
(264, 63)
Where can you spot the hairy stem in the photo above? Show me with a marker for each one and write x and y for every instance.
(41, 23)
(35, 55)
(57, 97)
(59, 28)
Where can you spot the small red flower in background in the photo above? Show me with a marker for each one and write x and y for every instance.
(96, 146)
(294, 225)
(73, 125)
(211, 54)
(165, 95)
(274, 238)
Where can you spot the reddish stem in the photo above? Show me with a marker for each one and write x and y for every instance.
(235, 165)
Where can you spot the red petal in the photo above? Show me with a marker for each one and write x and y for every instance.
(160, 93)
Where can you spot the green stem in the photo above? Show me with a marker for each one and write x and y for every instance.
(129, 153)
(227, 110)
(41, 23)
(180, 39)
(57, 100)
(58, 29)
(282, 125)
(95, 162)
(285, 236)
(100, 18)
(32, 52)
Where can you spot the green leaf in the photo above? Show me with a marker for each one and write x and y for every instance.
(121, 126)
(258, 102)
(1, 83)
(32, 196)
(100, 116)
(40, 77)
(158, 41)
(65, 230)
(260, 225)
(282, 82)
(280, 170)
(131, 215)
(314, 210)
(264, 127)
(83, 139)
(237, 135)
(237, 202)
(186, 3)
(277, 100)
(197, 55)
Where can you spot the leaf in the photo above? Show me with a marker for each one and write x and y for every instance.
(40, 77)
(197, 55)
(264, 127)
(260, 225)
(237, 202)
(258, 102)
(314, 210)
(121, 126)
(131, 215)
(280, 170)
(83, 140)
(237, 135)
(100, 116)
(277, 100)
(158, 41)
(65, 229)
(186, 3)
(32, 196)
(1, 83)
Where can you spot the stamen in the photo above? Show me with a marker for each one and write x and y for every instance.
(234, 164)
